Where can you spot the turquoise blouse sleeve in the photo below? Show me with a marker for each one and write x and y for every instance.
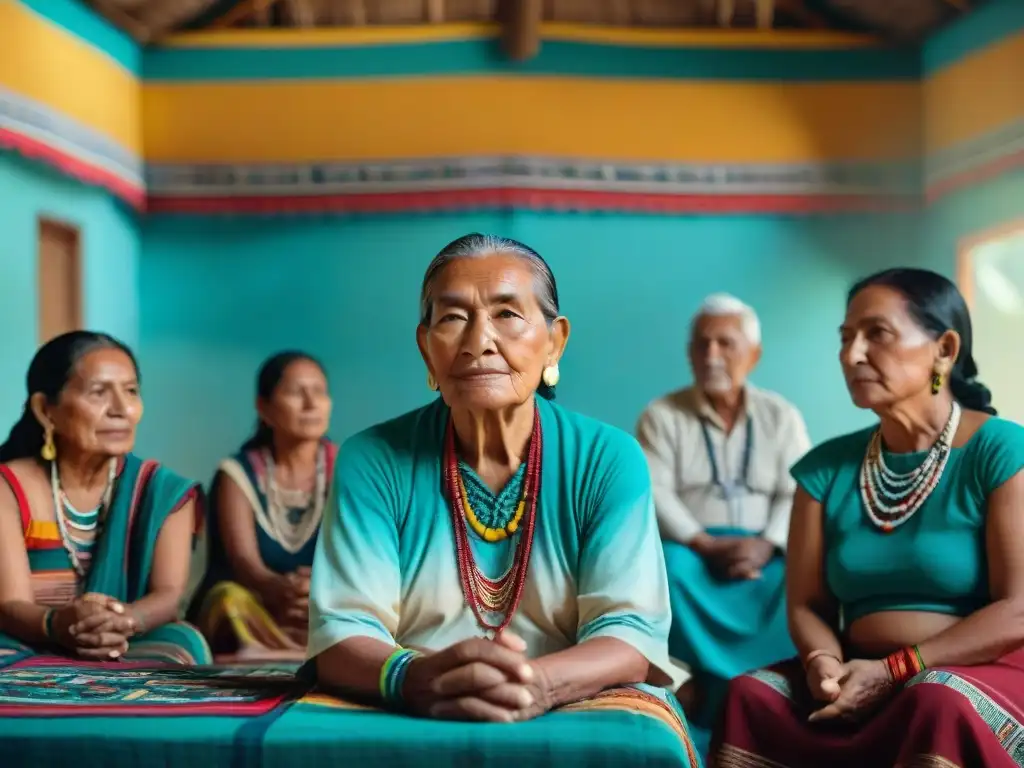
(816, 471)
(355, 589)
(622, 583)
(1000, 453)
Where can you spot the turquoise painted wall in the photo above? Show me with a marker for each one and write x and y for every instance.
(221, 294)
(968, 213)
(994, 203)
(974, 211)
(985, 25)
(110, 255)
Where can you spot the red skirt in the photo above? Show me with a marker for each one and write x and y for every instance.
(948, 717)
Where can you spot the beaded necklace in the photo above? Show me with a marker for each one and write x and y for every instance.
(292, 518)
(907, 491)
(489, 515)
(79, 530)
(501, 595)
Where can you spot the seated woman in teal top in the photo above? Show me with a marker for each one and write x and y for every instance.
(906, 560)
(492, 556)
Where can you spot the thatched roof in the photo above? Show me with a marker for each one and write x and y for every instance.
(905, 20)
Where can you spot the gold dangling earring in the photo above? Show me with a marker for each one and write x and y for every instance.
(937, 380)
(49, 450)
(551, 375)
(431, 382)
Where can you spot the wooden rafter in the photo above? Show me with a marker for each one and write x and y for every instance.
(798, 10)
(150, 20)
(245, 10)
(767, 11)
(303, 13)
(139, 31)
(354, 11)
(521, 28)
(435, 11)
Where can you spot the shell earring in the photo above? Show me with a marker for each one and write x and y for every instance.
(49, 450)
(551, 375)
(431, 382)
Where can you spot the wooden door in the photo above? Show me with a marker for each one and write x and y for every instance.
(60, 279)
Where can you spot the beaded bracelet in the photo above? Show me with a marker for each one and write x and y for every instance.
(904, 664)
(392, 674)
(48, 623)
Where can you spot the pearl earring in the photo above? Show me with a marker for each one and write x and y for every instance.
(551, 375)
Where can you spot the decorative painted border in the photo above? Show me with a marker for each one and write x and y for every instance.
(40, 132)
(561, 201)
(432, 174)
(534, 182)
(459, 183)
(974, 161)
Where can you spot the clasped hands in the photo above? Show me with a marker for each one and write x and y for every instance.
(477, 679)
(850, 691)
(734, 557)
(287, 598)
(95, 626)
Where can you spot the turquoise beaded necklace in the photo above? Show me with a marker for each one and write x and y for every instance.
(494, 510)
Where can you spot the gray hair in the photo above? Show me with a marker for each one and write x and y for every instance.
(475, 246)
(726, 305)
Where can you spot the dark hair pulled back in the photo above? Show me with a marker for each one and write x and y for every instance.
(49, 372)
(937, 306)
(270, 374)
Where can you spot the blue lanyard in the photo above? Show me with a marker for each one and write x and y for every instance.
(748, 445)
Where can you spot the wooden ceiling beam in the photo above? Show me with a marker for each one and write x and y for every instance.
(354, 12)
(245, 10)
(521, 30)
(303, 13)
(435, 11)
(798, 10)
(138, 31)
(765, 13)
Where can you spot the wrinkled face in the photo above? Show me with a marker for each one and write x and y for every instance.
(300, 406)
(886, 356)
(721, 355)
(488, 343)
(99, 408)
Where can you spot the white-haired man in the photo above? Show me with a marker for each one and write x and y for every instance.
(720, 453)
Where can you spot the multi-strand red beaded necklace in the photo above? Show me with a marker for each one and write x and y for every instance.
(485, 595)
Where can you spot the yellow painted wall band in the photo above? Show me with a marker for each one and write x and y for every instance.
(975, 96)
(46, 63)
(627, 120)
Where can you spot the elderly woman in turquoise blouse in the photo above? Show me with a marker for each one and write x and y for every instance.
(906, 561)
(492, 556)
